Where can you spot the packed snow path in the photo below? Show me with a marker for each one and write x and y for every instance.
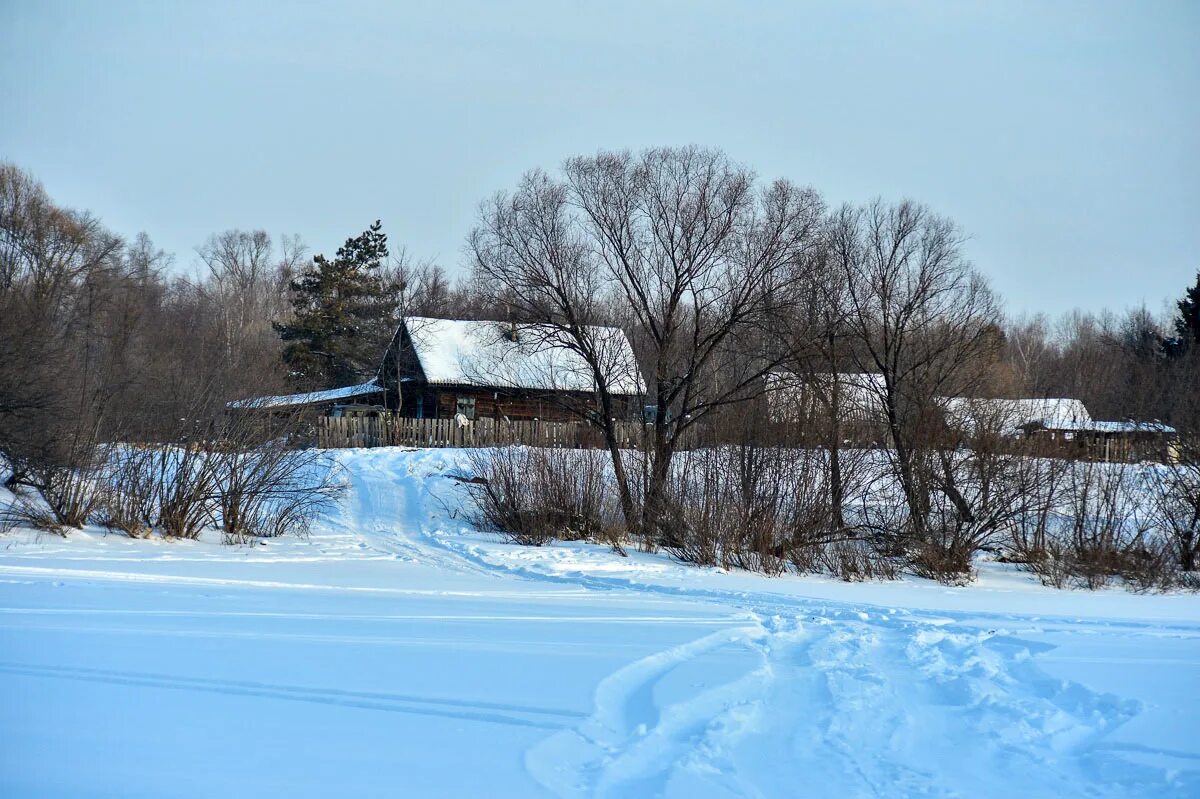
(395, 653)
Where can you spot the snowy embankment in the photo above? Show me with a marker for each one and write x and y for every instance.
(395, 652)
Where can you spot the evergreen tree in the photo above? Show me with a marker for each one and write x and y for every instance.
(1187, 323)
(345, 313)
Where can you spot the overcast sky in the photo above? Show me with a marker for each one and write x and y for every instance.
(1063, 137)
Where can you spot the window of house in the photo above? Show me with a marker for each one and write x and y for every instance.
(465, 406)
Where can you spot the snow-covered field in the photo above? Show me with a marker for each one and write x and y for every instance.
(396, 653)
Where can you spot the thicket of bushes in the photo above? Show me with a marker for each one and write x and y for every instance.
(768, 509)
(247, 492)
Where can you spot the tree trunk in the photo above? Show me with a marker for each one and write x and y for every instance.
(837, 497)
(662, 451)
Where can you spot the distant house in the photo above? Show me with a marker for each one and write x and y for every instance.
(1109, 441)
(440, 368)
(1014, 417)
(1062, 425)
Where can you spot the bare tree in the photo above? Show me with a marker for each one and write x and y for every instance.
(819, 341)
(924, 320)
(678, 247)
(246, 291)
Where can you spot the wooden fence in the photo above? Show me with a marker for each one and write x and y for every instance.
(390, 430)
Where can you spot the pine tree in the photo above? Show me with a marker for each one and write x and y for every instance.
(345, 312)
(1187, 323)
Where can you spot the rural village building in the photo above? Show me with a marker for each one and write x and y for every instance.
(446, 368)
(1062, 425)
(502, 370)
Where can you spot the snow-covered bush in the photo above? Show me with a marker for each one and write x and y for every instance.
(1089, 523)
(247, 490)
(131, 489)
(157, 487)
(68, 490)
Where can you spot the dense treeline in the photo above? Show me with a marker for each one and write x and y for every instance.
(717, 280)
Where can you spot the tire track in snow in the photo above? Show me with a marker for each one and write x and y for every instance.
(626, 739)
(390, 498)
(491, 712)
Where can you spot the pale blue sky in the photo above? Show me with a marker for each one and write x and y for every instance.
(1063, 137)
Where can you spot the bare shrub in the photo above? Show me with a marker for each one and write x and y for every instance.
(69, 487)
(532, 495)
(849, 559)
(70, 494)
(976, 495)
(1103, 533)
(738, 507)
(1053, 564)
(1175, 489)
(26, 511)
(1103, 506)
(186, 482)
(129, 497)
(765, 508)
(269, 490)
(160, 487)
(1031, 532)
(1150, 565)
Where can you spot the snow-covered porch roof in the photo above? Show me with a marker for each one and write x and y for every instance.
(1113, 427)
(307, 398)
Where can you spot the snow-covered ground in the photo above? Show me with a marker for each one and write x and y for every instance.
(396, 653)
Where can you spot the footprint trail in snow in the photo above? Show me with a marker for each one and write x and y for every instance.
(838, 705)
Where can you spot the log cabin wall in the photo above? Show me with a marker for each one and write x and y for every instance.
(513, 405)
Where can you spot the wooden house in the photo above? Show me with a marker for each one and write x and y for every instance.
(441, 368)
(1107, 441)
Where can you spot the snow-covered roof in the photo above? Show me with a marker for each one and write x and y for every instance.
(1115, 427)
(308, 398)
(862, 394)
(1011, 415)
(458, 352)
